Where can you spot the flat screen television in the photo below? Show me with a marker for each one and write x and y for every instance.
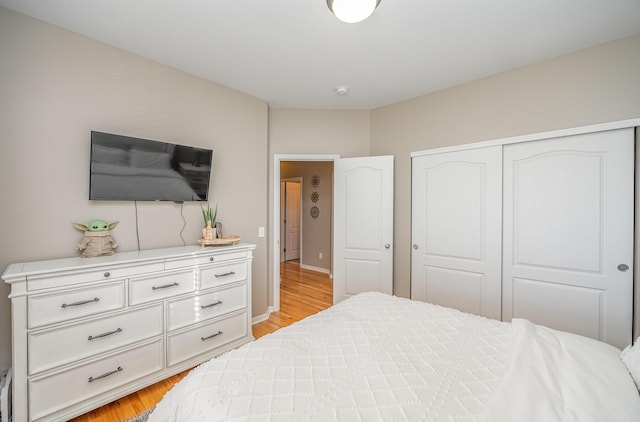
(124, 168)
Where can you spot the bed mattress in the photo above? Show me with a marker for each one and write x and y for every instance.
(379, 357)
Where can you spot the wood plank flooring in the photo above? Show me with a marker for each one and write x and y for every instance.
(302, 293)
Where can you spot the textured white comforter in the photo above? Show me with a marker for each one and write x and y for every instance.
(374, 357)
(558, 376)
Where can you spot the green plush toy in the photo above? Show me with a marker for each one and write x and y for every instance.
(97, 238)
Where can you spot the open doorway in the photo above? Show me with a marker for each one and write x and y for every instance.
(306, 197)
(315, 173)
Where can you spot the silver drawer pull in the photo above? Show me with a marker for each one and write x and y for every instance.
(211, 259)
(212, 304)
(119, 330)
(92, 379)
(82, 302)
(225, 274)
(165, 286)
(211, 336)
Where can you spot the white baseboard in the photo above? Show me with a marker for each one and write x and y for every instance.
(263, 317)
(317, 269)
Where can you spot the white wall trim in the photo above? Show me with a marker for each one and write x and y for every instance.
(259, 318)
(316, 269)
(621, 124)
(636, 245)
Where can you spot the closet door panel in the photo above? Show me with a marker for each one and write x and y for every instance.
(453, 288)
(558, 206)
(454, 211)
(536, 300)
(568, 225)
(456, 218)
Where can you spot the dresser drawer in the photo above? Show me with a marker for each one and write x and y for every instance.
(59, 346)
(196, 261)
(148, 289)
(107, 272)
(204, 338)
(70, 304)
(55, 392)
(223, 274)
(205, 306)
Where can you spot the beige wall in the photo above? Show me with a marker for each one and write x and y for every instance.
(343, 132)
(596, 85)
(316, 232)
(55, 87)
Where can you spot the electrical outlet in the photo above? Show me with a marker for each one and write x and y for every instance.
(320, 255)
(260, 231)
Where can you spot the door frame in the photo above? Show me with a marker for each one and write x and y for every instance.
(284, 182)
(277, 158)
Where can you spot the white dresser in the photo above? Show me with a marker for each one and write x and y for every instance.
(87, 331)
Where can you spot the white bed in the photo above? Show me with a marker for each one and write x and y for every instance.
(378, 357)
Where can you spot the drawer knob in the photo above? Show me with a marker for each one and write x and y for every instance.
(82, 302)
(211, 336)
(119, 330)
(165, 286)
(92, 379)
(107, 274)
(211, 259)
(210, 305)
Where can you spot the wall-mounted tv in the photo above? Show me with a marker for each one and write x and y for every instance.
(133, 169)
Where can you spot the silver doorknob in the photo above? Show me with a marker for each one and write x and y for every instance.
(387, 246)
(415, 246)
(623, 267)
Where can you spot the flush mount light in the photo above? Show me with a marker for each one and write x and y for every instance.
(352, 11)
(342, 90)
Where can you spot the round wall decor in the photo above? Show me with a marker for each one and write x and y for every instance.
(315, 212)
(315, 197)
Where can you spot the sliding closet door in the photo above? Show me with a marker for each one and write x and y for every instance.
(568, 234)
(456, 230)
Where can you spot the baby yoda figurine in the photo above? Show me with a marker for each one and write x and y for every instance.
(97, 238)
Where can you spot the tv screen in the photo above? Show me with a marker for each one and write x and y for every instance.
(133, 169)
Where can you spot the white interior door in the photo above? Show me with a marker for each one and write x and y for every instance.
(456, 230)
(363, 226)
(568, 234)
(292, 221)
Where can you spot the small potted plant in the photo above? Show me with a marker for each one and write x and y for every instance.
(209, 217)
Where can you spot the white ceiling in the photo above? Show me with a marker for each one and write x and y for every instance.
(294, 53)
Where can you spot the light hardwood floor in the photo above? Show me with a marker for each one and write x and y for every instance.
(302, 293)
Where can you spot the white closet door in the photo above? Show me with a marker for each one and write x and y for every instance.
(456, 230)
(568, 234)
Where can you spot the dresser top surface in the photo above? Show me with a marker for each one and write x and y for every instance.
(19, 270)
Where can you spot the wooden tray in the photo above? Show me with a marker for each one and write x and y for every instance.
(220, 241)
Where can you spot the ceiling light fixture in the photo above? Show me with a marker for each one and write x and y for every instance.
(352, 11)
(342, 90)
